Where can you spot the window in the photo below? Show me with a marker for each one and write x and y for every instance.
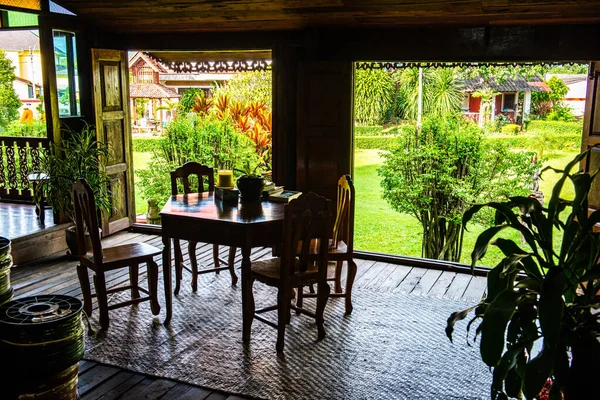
(67, 83)
(509, 102)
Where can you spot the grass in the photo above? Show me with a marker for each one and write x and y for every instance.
(379, 228)
(140, 161)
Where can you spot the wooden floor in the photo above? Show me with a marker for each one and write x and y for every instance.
(56, 274)
(17, 220)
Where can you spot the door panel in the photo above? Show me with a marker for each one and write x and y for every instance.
(324, 128)
(111, 100)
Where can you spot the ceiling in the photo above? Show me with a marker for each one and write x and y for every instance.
(155, 16)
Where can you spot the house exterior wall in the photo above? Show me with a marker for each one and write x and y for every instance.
(575, 98)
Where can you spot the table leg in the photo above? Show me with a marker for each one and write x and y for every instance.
(247, 296)
(167, 278)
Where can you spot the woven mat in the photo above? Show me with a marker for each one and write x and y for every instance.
(392, 346)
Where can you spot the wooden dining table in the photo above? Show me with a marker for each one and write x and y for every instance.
(201, 217)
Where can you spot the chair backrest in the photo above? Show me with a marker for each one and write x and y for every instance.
(343, 228)
(86, 216)
(192, 168)
(305, 218)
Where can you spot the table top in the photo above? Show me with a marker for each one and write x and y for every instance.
(204, 206)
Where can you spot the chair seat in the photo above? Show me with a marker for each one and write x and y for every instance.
(268, 270)
(116, 256)
(340, 249)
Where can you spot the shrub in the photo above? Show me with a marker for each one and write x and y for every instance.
(368, 130)
(37, 128)
(436, 174)
(146, 145)
(375, 142)
(555, 127)
(511, 129)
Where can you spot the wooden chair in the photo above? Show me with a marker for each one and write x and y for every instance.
(102, 260)
(341, 244)
(183, 173)
(306, 220)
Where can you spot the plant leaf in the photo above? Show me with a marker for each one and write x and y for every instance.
(454, 318)
(483, 241)
(537, 372)
(494, 325)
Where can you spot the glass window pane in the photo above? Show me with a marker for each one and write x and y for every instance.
(67, 86)
(57, 8)
(30, 4)
(16, 19)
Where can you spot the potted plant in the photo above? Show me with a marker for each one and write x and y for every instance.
(251, 182)
(546, 292)
(79, 155)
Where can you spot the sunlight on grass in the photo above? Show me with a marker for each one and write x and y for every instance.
(140, 161)
(378, 228)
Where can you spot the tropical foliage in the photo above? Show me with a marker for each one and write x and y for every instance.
(9, 101)
(539, 319)
(549, 104)
(246, 87)
(79, 155)
(373, 96)
(437, 172)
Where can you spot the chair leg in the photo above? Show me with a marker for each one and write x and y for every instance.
(338, 276)
(100, 285)
(283, 311)
(194, 263)
(216, 256)
(299, 299)
(248, 307)
(349, 282)
(84, 282)
(134, 272)
(231, 264)
(322, 296)
(153, 286)
(178, 266)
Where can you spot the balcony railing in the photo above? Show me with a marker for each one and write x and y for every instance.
(19, 156)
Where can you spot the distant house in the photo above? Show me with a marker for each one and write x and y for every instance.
(22, 48)
(507, 101)
(156, 81)
(575, 97)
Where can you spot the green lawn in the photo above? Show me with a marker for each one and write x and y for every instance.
(140, 161)
(379, 228)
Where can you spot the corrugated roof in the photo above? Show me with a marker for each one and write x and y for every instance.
(569, 79)
(151, 91)
(509, 85)
(19, 40)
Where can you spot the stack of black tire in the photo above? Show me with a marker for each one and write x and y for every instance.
(41, 344)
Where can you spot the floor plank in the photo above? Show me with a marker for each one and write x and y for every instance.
(55, 274)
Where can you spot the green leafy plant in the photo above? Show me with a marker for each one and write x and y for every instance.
(545, 293)
(437, 172)
(79, 155)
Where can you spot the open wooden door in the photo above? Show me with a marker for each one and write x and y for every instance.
(324, 127)
(591, 131)
(111, 100)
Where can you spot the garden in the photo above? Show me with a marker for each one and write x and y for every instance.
(415, 180)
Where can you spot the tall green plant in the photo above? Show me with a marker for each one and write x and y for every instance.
(436, 173)
(546, 292)
(246, 87)
(373, 96)
(442, 92)
(79, 155)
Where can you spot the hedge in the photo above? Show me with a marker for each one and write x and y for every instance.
(368, 130)
(145, 144)
(374, 142)
(554, 127)
(529, 141)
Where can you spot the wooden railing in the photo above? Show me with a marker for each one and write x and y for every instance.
(19, 156)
